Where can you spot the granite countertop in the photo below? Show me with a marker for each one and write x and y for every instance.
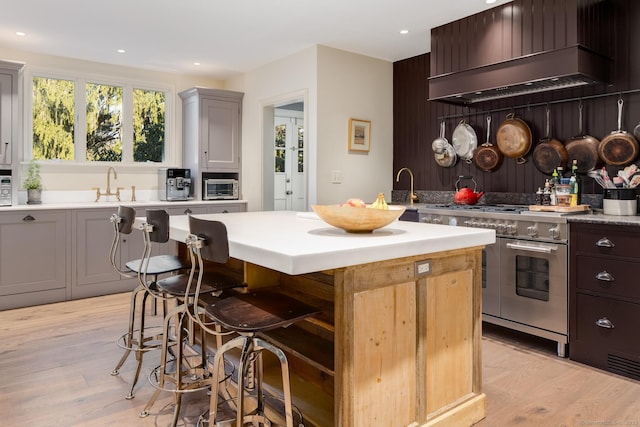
(298, 243)
(597, 217)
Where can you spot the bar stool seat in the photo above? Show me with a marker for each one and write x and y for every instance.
(181, 371)
(246, 314)
(139, 338)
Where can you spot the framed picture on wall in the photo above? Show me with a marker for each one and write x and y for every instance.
(359, 135)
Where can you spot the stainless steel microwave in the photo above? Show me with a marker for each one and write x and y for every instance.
(219, 189)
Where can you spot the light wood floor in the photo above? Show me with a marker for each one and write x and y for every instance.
(55, 364)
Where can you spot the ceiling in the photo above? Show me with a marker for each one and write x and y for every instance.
(226, 37)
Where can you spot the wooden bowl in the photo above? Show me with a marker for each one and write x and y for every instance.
(357, 220)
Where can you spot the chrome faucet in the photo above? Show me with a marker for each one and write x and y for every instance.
(108, 192)
(412, 195)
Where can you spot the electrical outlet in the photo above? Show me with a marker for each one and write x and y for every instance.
(336, 177)
(423, 268)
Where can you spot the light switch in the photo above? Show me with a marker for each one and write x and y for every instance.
(336, 177)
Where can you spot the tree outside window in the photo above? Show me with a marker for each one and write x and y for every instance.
(105, 139)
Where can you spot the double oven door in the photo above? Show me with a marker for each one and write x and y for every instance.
(526, 282)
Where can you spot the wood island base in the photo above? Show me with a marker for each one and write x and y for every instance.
(398, 342)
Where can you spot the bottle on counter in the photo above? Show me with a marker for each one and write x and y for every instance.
(546, 194)
(539, 196)
(574, 183)
(554, 181)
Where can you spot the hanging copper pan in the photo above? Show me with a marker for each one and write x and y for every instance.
(619, 148)
(488, 157)
(549, 153)
(514, 138)
(583, 148)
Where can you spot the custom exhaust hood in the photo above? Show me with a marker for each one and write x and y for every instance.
(515, 49)
(540, 72)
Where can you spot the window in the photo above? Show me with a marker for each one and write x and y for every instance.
(90, 121)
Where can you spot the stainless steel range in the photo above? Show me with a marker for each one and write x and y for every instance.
(524, 274)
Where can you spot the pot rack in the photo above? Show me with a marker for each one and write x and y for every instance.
(538, 104)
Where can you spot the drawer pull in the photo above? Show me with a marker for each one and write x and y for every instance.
(604, 323)
(603, 276)
(605, 243)
(28, 218)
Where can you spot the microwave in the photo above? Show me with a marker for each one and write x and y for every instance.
(219, 189)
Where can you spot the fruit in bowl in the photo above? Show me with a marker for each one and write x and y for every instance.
(361, 219)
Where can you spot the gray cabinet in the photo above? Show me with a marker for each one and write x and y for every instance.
(212, 125)
(33, 258)
(227, 207)
(92, 239)
(8, 110)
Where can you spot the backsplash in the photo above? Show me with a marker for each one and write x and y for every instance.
(488, 198)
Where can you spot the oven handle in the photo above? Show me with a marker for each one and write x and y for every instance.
(523, 247)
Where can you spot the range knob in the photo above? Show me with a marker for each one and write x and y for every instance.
(532, 230)
(512, 230)
(554, 232)
(436, 221)
(501, 228)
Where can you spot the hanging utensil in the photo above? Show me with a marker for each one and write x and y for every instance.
(549, 153)
(514, 138)
(488, 157)
(465, 141)
(619, 148)
(583, 148)
(440, 143)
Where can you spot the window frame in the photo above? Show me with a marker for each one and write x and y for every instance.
(79, 135)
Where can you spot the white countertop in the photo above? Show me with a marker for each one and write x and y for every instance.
(296, 243)
(113, 204)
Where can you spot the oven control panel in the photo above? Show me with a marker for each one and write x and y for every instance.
(514, 226)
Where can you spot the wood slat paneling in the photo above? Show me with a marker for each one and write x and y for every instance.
(416, 120)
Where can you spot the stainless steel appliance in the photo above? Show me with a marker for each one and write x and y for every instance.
(5, 188)
(174, 184)
(524, 274)
(219, 189)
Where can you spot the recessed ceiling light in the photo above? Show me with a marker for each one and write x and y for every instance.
(196, 63)
(121, 51)
(489, 1)
(20, 33)
(404, 31)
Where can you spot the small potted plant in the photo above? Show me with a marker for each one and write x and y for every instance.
(33, 184)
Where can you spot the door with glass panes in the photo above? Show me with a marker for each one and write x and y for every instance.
(289, 162)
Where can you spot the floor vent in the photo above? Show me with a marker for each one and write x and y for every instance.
(623, 366)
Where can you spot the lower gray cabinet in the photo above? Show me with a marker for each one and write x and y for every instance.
(33, 257)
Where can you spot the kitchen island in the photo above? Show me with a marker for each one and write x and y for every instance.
(399, 338)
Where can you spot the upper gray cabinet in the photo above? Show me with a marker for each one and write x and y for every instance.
(8, 109)
(211, 127)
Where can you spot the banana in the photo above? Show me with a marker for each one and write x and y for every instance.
(380, 203)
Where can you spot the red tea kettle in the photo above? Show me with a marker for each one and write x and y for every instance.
(464, 195)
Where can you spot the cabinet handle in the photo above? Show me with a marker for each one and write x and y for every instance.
(605, 243)
(604, 323)
(603, 276)
(188, 211)
(28, 218)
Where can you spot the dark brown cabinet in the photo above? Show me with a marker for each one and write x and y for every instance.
(604, 308)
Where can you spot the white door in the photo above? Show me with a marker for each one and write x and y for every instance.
(289, 162)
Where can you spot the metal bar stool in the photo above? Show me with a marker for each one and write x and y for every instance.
(247, 315)
(180, 372)
(140, 339)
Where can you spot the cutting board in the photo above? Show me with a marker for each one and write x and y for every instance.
(578, 208)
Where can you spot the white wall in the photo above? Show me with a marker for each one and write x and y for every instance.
(84, 177)
(337, 85)
(266, 85)
(361, 87)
